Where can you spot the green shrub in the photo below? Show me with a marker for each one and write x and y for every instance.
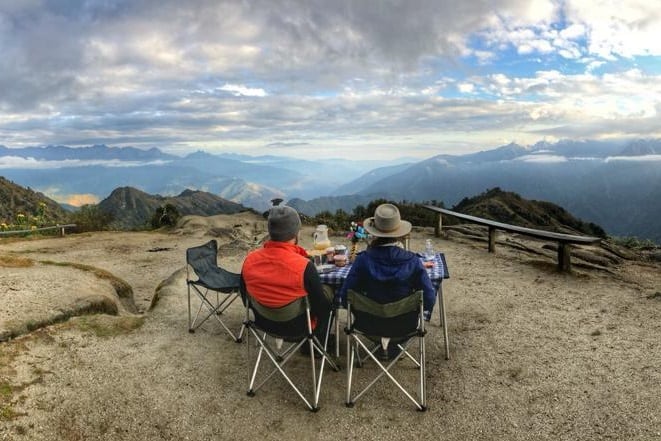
(410, 211)
(90, 218)
(166, 215)
(634, 243)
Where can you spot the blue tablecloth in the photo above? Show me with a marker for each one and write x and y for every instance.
(436, 274)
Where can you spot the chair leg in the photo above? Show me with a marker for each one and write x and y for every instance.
(444, 322)
(420, 403)
(349, 367)
(322, 351)
(189, 312)
(239, 338)
(278, 364)
(313, 370)
(423, 374)
(253, 377)
(280, 358)
(337, 333)
(194, 323)
(214, 311)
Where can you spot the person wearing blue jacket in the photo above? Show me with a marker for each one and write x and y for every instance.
(386, 272)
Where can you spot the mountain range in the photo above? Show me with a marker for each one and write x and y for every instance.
(127, 207)
(615, 184)
(63, 172)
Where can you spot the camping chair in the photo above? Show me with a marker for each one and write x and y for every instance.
(397, 323)
(280, 333)
(211, 279)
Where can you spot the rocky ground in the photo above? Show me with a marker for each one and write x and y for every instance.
(535, 354)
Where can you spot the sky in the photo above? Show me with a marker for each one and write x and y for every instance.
(327, 79)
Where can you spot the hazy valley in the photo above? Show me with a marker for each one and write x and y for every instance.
(616, 185)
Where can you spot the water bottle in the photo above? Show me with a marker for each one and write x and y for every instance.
(429, 250)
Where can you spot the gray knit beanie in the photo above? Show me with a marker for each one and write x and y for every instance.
(284, 223)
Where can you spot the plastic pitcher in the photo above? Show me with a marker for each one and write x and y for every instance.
(321, 241)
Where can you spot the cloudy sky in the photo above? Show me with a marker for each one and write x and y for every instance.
(323, 78)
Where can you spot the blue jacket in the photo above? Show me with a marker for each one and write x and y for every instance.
(386, 274)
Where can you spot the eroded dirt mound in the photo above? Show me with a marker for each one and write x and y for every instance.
(36, 296)
(49, 280)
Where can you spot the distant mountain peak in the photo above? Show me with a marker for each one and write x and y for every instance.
(510, 208)
(132, 208)
(187, 193)
(198, 154)
(641, 147)
(93, 152)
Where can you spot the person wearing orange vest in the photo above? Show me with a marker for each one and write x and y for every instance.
(281, 272)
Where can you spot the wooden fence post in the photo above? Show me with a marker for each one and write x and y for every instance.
(492, 239)
(564, 257)
(439, 226)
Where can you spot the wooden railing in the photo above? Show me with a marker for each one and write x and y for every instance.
(564, 240)
(62, 229)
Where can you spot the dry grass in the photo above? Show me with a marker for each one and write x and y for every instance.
(89, 305)
(108, 326)
(7, 356)
(11, 261)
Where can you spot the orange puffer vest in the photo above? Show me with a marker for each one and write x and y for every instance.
(274, 274)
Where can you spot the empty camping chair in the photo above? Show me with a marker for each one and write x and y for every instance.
(391, 328)
(216, 288)
(280, 333)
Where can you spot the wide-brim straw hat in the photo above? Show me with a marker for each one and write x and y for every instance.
(387, 222)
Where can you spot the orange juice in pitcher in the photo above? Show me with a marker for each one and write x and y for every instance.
(321, 240)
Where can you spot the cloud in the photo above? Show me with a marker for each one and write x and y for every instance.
(239, 90)
(622, 29)
(413, 75)
(642, 158)
(17, 162)
(573, 31)
(286, 144)
(541, 158)
(466, 87)
(78, 200)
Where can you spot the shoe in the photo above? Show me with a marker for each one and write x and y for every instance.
(426, 315)
(390, 354)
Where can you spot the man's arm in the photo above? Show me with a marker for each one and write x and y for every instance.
(312, 283)
(429, 293)
(352, 281)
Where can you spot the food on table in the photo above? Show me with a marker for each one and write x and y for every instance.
(340, 259)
